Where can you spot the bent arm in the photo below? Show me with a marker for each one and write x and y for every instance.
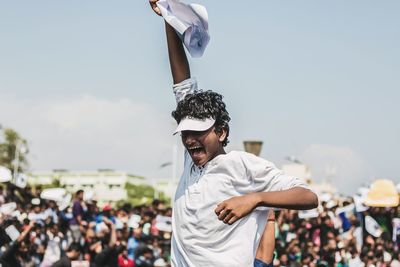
(177, 57)
(235, 208)
(297, 198)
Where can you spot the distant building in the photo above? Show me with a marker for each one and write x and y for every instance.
(303, 171)
(109, 185)
(323, 187)
(167, 186)
(298, 170)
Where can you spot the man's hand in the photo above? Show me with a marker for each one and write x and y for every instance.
(155, 7)
(108, 222)
(235, 208)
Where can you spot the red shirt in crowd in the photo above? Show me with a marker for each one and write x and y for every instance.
(125, 262)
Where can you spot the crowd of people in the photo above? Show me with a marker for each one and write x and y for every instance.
(38, 233)
(83, 234)
(338, 238)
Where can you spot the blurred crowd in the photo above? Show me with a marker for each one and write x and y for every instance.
(38, 232)
(337, 236)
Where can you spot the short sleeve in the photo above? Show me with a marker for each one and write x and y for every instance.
(183, 88)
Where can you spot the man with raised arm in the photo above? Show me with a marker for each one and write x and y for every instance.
(219, 211)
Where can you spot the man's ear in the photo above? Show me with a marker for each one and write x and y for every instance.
(222, 133)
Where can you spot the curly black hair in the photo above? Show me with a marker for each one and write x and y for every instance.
(202, 105)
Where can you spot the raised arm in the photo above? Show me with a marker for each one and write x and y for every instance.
(113, 233)
(177, 57)
(26, 231)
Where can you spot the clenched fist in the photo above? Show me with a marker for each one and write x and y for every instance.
(235, 208)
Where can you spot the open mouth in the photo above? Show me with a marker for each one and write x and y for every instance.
(196, 151)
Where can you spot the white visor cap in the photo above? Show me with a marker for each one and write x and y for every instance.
(193, 124)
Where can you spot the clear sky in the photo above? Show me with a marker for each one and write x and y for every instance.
(87, 83)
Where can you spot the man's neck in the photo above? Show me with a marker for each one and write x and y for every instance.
(220, 152)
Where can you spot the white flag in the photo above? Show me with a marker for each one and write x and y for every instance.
(396, 228)
(307, 214)
(8, 208)
(21, 180)
(12, 232)
(164, 223)
(5, 175)
(372, 226)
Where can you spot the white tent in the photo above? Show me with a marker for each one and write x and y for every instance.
(382, 193)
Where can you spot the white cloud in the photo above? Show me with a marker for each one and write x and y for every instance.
(347, 169)
(86, 132)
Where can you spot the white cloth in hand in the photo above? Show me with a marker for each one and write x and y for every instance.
(191, 23)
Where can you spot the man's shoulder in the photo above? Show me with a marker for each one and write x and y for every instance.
(242, 163)
(247, 158)
(237, 154)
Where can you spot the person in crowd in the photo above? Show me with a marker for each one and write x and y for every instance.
(51, 211)
(124, 260)
(17, 254)
(134, 242)
(2, 196)
(37, 214)
(72, 254)
(144, 257)
(107, 251)
(78, 212)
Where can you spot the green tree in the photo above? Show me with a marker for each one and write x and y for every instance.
(9, 143)
(141, 195)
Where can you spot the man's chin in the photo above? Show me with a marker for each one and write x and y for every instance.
(199, 159)
(199, 162)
